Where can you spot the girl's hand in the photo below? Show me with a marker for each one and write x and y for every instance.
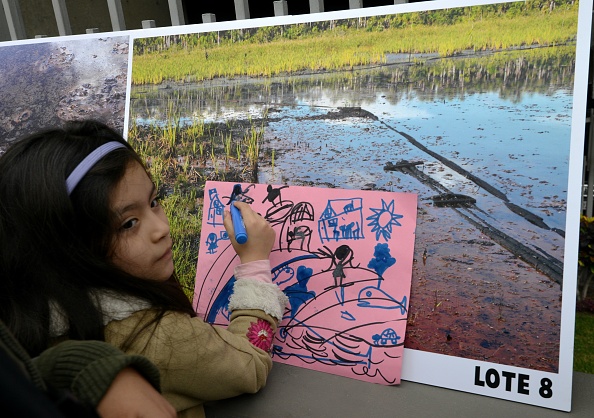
(260, 234)
(131, 395)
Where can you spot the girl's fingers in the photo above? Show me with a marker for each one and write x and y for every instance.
(228, 222)
(246, 210)
(251, 219)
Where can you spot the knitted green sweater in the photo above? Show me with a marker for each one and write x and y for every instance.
(85, 369)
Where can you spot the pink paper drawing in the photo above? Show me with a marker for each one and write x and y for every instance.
(343, 258)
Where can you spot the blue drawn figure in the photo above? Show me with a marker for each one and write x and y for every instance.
(388, 337)
(381, 261)
(283, 275)
(342, 220)
(298, 293)
(346, 315)
(373, 297)
(216, 209)
(383, 219)
(220, 306)
(211, 243)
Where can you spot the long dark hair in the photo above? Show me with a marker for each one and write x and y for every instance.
(55, 247)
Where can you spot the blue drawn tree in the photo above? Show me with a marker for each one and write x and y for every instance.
(382, 260)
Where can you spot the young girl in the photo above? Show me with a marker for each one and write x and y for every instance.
(85, 253)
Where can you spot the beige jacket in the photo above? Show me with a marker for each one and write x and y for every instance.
(199, 362)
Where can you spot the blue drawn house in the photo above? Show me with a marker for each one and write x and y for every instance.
(216, 209)
(342, 220)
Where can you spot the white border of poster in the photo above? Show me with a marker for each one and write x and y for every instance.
(513, 383)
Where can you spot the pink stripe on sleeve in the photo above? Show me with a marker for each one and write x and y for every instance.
(256, 270)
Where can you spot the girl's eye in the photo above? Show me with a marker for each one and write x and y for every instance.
(155, 202)
(129, 224)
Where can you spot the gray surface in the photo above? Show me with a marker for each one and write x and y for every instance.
(296, 392)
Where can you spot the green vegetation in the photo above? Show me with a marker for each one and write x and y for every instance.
(180, 158)
(185, 221)
(583, 357)
(538, 66)
(585, 256)
(346, 44)
(181, 206)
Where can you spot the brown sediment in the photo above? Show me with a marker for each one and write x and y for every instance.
(543, 262)
(471, 298)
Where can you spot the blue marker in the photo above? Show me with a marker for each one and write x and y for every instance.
(238, 225)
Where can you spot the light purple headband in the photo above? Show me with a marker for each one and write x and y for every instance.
(90, 160)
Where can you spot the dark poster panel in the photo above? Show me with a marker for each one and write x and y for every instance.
(224, 10)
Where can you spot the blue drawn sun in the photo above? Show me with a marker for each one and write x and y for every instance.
(383, 219)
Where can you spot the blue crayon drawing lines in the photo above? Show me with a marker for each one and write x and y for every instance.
(350, 324)
(215, 209)
(342, 219)
(383, 220)
(344, 260)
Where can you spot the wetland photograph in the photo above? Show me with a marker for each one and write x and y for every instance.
(469, 107)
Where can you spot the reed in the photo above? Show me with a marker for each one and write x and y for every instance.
(227, 145)
(252, 140)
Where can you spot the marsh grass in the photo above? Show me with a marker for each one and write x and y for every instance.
(177, 160)
(185, 221)
(329, 50)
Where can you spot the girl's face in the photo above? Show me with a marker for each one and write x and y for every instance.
(142, 245)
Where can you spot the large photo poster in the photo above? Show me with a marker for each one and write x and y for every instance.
(476, 107)
(469, 105)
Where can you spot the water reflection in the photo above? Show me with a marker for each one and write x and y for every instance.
(505, 117)
(512, 76)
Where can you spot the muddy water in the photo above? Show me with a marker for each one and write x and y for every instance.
(44, 84)
(472, 295)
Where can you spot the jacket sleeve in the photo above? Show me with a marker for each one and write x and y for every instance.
(88, 368)
(201, 362)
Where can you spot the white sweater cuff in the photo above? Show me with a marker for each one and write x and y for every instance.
(253, 294)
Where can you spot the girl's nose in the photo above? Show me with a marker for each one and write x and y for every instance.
(160, 226)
